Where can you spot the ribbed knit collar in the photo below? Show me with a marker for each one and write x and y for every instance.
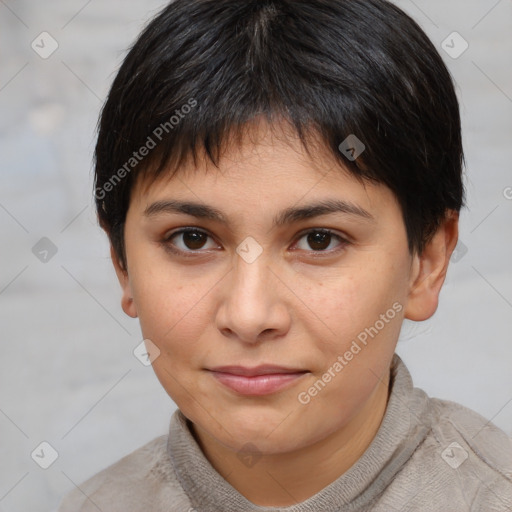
(405, 424)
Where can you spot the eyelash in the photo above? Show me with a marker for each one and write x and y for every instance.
(166, 242)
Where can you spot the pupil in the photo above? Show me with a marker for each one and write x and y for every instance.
(317, 240)
(193, 240)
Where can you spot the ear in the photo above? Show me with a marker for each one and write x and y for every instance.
(124, 280)
(429, 270)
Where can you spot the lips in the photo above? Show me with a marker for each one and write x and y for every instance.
(264, 369)
(256, 381)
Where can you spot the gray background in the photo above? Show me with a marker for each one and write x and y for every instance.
(68, 375)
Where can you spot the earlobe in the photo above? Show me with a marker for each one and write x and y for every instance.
(127, 302)
(128, 306)
(428, 270)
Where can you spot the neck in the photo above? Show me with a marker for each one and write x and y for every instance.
(285, 479)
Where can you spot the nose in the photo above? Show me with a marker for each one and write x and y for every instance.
(253, 305)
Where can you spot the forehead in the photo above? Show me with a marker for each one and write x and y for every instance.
(257, 143)
(266, 165)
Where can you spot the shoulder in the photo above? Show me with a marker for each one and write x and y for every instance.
(142, 480)
(473, 456)
(454, 458)
(491, 446)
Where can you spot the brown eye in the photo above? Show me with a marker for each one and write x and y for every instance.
(319, 240)
(187, 241)
(194, 239)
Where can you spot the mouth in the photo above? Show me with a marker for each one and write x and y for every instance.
(256, 381)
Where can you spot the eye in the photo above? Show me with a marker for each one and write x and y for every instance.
(189, 240)
(320, 239)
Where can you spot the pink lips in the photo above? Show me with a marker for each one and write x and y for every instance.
(257, 381)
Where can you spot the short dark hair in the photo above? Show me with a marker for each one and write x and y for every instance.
(201, 70)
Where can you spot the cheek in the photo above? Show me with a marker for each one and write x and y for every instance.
(344, 306)
(174, 316)
(172, 309)
(363, 314)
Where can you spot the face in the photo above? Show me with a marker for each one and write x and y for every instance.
(257, 275)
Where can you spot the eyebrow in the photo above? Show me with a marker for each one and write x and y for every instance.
(287, 216)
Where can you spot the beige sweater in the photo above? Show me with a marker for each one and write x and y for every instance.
(428, 455)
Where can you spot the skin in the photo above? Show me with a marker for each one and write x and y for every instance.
(300, 304)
